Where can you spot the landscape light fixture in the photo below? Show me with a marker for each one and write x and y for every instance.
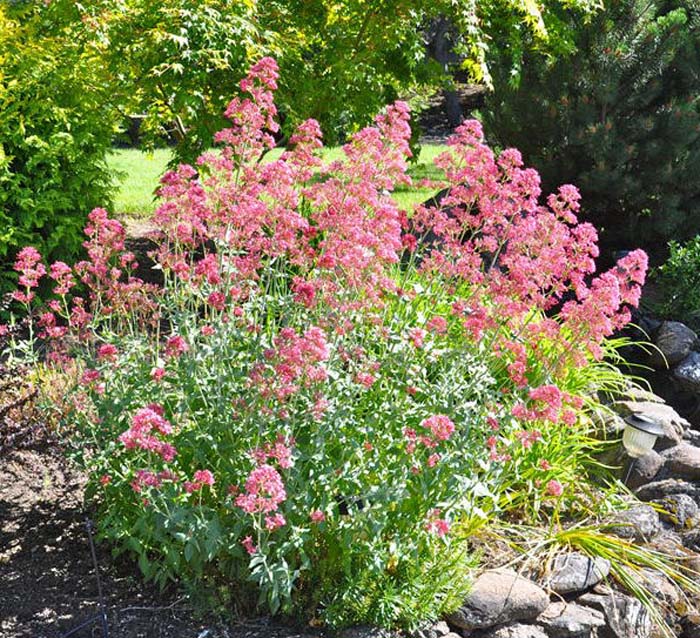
(640, 434)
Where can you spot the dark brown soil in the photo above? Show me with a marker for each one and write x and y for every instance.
(47, 581)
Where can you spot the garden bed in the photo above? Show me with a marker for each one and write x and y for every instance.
(48, 582)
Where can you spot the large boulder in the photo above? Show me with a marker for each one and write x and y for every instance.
(660, 587)
(574, 572)
(431, 630)
(680, 510)
(674, 341)
(667, 487)
(497, 597)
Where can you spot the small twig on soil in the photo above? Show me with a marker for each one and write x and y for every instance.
(177, 602)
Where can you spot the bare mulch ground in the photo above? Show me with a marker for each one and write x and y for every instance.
(47, 581)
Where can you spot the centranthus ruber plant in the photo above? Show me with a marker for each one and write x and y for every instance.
(324, 388)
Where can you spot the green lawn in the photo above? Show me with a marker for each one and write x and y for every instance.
(139, 173)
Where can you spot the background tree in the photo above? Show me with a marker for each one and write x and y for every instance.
(619, 118)
(55, 128)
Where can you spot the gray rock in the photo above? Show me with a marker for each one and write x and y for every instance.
(672, 423)
(562, 620)
(635, 393)
(431, 630)
(687, 372)
(609, 424)
(660, 587)
(674, 340)
(669, 543)
(645, 469)
(691, 539)
(499, 596)
(639, 523)
(366, 631)
(661, 489)
(692, 437)
(516, 630)
(575, 572)
(625, 616)
(683, 461)
(691, 626)
(679, 509)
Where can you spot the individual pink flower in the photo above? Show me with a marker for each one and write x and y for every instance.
(157, 374)
(437, 324)
(437, 525)
(417, 335)
(365, 379)
(280, 451)
(28, 265)
(317, 516)
(62, 274)
(105, 479)
(433, 459)
(147, 426)
(89, 377)
(217, 300)
(144, 478)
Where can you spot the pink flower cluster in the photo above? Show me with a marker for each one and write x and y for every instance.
(146, 426)
(441, 426)
(30, 268)
(279, 451)
(518, 255)
(548, 403)
(437, 525)
(296, 359)
(199, 480)
(264, 491)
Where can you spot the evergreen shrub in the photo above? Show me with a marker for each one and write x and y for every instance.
(619, 118)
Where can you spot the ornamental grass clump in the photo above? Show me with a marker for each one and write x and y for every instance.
(308, 413)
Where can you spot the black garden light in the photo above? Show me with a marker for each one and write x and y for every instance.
(640, 434)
